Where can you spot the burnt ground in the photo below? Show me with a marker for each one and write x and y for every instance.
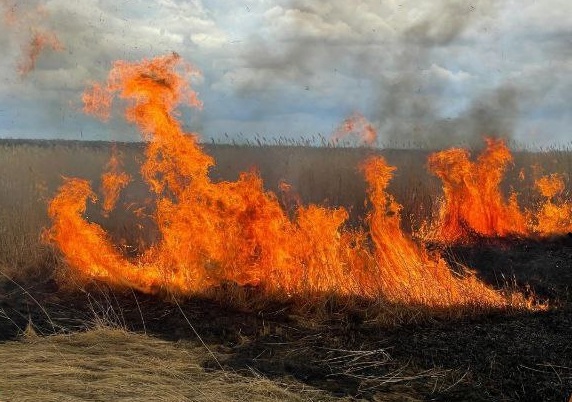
(441, 356)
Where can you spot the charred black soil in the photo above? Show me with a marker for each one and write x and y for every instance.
(351, 347)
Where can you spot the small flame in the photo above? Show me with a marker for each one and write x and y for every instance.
(38, 42)
(112, 182)
(550, 186)
(553, 218)
(357, 125)
(40, 38)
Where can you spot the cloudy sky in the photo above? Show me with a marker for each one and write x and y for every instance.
(433, 71)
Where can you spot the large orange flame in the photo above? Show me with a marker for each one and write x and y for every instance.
(406, 269)
(211, 232)
(473, 203)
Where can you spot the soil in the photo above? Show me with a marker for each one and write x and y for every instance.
(493, 356)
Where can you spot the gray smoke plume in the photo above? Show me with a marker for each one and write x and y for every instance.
(300, 65)
(401, 50)
(407, 108)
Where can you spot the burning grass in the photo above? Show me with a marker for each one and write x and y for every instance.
(290, 287)
(327, 341)
(473, 203)
(236, 231)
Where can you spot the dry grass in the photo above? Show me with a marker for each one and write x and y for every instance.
(30, 174)
(114, 365)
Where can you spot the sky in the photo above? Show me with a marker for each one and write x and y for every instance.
(435, 72)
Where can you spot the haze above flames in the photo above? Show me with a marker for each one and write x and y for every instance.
(429, 70)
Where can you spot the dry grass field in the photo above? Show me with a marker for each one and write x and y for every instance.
(105, 364)
(68, 340)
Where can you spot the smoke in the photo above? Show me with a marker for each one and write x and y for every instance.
(28, 25)
(408, 106)
(88, 36)
(441, 22)
(493, 114)
(395, 48)
(434, 72)
(404, 113)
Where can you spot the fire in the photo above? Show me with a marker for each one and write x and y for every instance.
(112, 182)
(215, 232)
(38, 42)
(406, 271)
(357, 125)
(473, 203)
(39, 38)
(472, 200)
(553, 218)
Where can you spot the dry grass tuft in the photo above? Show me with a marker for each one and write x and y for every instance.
(115, 365)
